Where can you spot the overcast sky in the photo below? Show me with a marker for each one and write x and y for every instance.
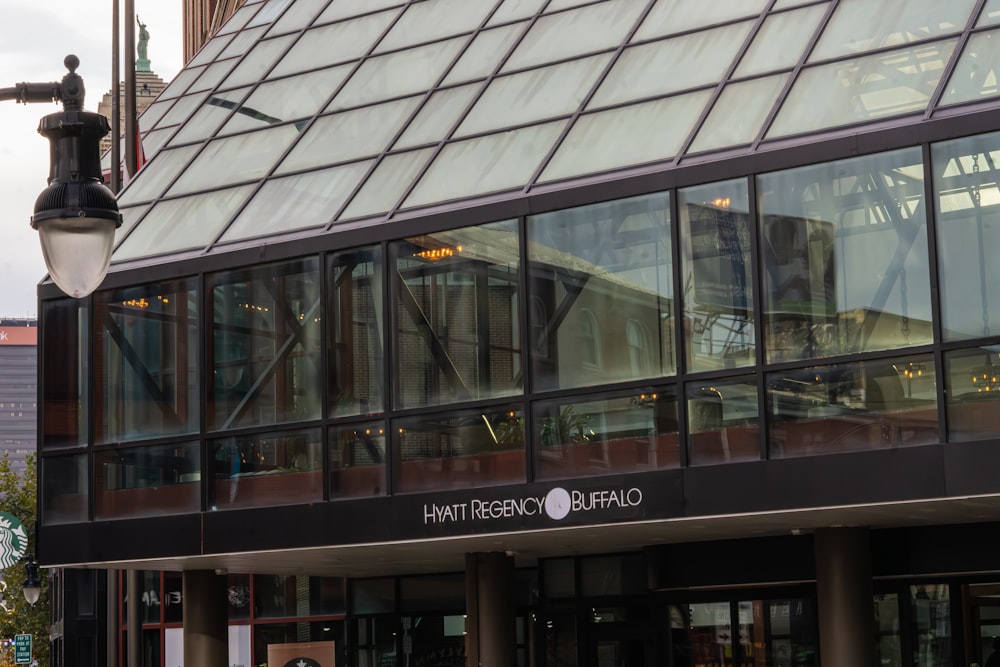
(35, 37)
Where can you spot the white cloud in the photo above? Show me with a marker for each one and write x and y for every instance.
(34, 39)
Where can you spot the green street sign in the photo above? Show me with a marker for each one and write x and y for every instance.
(22, 649)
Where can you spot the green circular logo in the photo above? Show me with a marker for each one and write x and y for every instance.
(13, 540)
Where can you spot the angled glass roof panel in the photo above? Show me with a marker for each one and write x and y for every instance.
(387, 183)
(783, 4)
(296, 202)
(438, 115)
(990, 15)
(342, 9)
(152, 181)
(182, 109)
(212, 75)
(556, 5)
(976, 74)
(860, 89)
(291, 98)
(207, 120)
(514, 10)
(349, 135)
(332, 44)
(738, 115)
(781, 41)
(428, 21)
(266, 15)
(862, 25)
(238, 20)
(485, 164)
(180, 84)
(153, 141)
(298, 16)
(668, 17)
(130, 216)
(258, 61)
(210, 51)
(574, 32)
(626, 136)
(243, 157)
(485, 53)
(670, 65)
(396, 74)
(534, 95)
(242, 43)
(153, 113)
(182, 224)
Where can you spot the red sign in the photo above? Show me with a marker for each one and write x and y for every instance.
(18, 335)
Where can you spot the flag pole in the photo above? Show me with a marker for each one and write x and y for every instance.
(116, 111)
(131, 121)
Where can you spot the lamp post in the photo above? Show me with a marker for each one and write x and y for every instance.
(31, 587)
(76, 215)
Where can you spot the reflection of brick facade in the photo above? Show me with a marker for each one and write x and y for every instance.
(201, 19)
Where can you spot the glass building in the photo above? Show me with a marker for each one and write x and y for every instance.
(547, 332)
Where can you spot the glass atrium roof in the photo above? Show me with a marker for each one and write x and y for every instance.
(309, 114)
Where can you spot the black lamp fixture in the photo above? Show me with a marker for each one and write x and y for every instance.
(76, 215)
(31, 587)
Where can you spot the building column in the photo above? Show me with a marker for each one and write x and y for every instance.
(206, 619)
(491, 637)
(844, 597)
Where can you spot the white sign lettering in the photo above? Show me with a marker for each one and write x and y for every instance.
(556, 504)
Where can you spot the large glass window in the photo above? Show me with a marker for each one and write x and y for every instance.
(460, 450)
(967, 203)
(357, 461)
(64, 381)
(267, 470)
(844, 254)
(866, 405)
(265, 350)
(629, 433)
(147, 481)
(355, 352)
(718, 275)
(973, 393)
(592, 270)
(146, 344)
(723, 421)
(458, 315)
(65, 489)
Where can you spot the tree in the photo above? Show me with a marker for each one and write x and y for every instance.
(18, 497)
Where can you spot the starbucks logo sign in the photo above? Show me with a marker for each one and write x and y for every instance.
(13, 540)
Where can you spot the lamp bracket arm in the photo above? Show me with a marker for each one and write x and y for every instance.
(26, 93)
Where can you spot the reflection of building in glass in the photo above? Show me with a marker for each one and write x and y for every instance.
(447, 332)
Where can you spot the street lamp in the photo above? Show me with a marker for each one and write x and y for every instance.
(76, 215)
(32, 587)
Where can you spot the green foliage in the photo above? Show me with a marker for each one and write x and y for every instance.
(17, 497)
(570, 428)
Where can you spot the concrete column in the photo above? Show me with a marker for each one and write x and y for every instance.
(206, 619)
(844, 597)
(491, 637)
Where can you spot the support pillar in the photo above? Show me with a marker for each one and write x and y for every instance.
(490, 622)
(844, 597)
(206, 619)
(133, 607)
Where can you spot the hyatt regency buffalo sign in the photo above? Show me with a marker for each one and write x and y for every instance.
(556, 504)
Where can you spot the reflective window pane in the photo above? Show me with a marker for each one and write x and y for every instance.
(486, 164)
(297, 16)
(930, 624)
(226, 161)
(333, 44)
(673, 16)
(849, 407)
(990, 14)
(457, 315)
(967, 204)
(342, 9)
(63, 347)
(853, 91)
(428, 21)
(844, 248)
(739, 113)
(440, 112)
(266, 470)
(596, 27)
(258, 61)
(723, 421)
(781, 40)
(182, 109)
(150, 183)
(357, 461)
(286, 99)
(265, 356)
(973, 393)
(146, 344)
(483, 55)
(620, 137)
(863, 25)
(512, 10)
(718, 276)
(460, 450)
(355, 314)
(147, 481)
(64, 489)
(609, 436)
(975, 75)
(385, 186)
(601, 293)
(210, 117)
(692, 60)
